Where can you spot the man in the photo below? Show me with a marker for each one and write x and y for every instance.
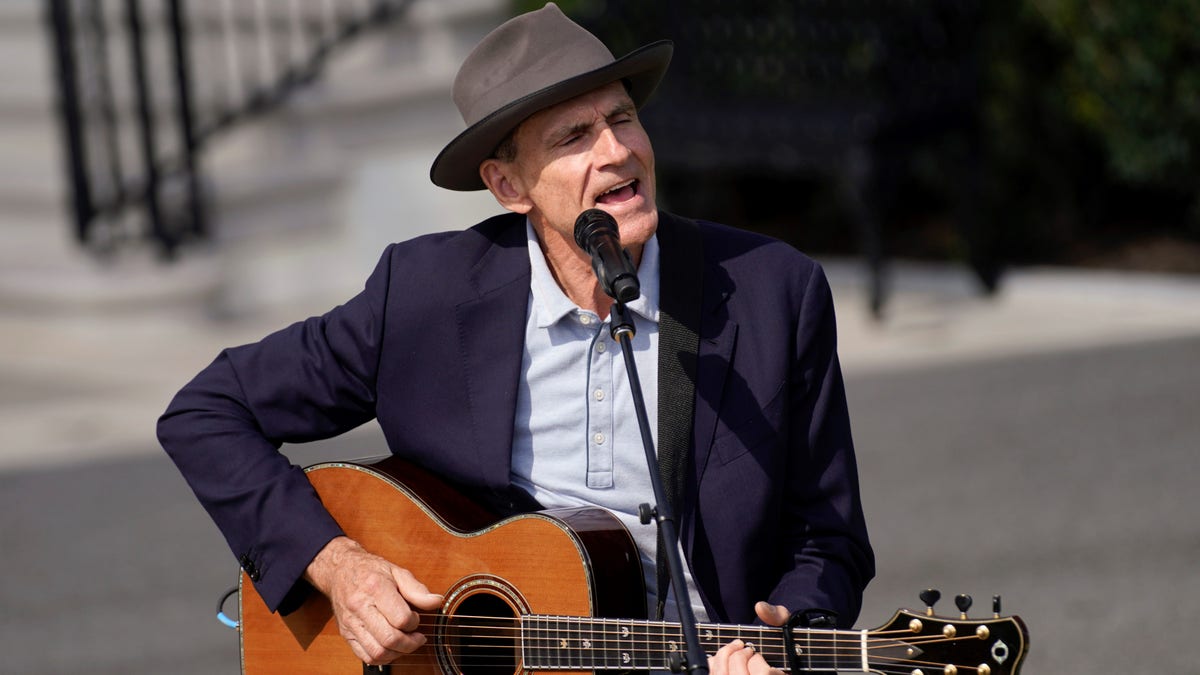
(484, 356)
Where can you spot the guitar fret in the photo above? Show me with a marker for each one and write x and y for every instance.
(808, 650)
(648, 637)
(528, 640)
(625, 629)
(570, 643)
(543, 636)
(575, 642)
(543, 642)
(604, 644)
(521, 630)
(556, 645)
(621, 656)
(585, 643)
(657, 648)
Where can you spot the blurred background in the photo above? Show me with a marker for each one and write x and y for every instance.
(1004, 195)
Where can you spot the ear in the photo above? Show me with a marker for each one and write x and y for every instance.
(501, 180)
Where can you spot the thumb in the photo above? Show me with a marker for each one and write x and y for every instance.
(772, 615)
(415, 592)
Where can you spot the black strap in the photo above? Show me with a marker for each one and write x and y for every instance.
(681, 284)
(806, 618)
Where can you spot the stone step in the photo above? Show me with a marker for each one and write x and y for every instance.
(320, 184)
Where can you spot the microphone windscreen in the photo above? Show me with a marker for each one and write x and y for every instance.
(590, 221)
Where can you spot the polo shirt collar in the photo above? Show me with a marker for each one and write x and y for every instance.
(550, 304)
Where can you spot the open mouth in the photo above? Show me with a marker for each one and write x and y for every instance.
(620, 193)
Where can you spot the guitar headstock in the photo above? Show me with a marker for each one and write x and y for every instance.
(926, 643)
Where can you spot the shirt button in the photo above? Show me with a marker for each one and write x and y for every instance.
(601, 347)
(598, 438)
(585, 319)
(598, 394)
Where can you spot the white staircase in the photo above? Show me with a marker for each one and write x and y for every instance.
(302, 199)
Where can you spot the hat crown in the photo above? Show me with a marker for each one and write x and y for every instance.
(530, 63)
(521, 57)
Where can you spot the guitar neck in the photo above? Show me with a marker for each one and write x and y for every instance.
(583, 643)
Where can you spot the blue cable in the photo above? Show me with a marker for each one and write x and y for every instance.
(221, 609)
(226, 620)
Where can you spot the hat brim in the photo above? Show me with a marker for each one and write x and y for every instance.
(457, 165)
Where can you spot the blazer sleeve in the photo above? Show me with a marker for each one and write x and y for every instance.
(831, 557)
(312, 380)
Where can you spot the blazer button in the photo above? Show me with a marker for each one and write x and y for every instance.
(250, 568)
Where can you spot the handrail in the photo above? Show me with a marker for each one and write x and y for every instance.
(270, 50)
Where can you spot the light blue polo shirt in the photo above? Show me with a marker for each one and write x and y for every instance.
(576, 440)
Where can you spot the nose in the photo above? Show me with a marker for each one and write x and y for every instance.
(610, 148)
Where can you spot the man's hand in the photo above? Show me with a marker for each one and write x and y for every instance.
(371, 600)
(741, 658)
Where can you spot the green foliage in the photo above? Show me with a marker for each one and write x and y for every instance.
(1131, 77)
(1090, 113)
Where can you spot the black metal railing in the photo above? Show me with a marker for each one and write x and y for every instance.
(145, 85)
(763, 91)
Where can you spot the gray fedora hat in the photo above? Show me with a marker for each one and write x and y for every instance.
(530, 63)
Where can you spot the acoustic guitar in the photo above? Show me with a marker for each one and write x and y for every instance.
(560, 591)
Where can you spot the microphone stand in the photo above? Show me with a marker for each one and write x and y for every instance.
(696, 661)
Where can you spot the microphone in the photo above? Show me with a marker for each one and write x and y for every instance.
(596, 233)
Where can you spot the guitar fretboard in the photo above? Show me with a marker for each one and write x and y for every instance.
(581, 643)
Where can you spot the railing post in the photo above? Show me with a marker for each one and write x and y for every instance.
(110, 203)
(137, 38)
(69, 107)
(187, 129)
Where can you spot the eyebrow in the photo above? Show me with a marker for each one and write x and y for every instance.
(626, 108)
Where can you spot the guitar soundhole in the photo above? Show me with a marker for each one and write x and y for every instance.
(482, 636)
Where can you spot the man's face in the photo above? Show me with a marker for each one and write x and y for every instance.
(588, 152)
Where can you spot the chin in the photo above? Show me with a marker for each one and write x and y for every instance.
(638, 227)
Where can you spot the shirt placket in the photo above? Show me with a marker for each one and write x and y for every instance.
(600, 405)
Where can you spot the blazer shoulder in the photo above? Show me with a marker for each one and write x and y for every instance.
(744, 253)
(457, 265)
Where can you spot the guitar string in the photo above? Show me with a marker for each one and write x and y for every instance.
(605, 643)
(768, 643)
(515, 660)
(880, 663)
(589, 626)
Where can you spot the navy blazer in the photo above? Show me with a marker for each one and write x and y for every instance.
(765, 486)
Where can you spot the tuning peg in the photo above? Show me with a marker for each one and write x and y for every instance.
(996, 606)
(930, 596)
(963, 602)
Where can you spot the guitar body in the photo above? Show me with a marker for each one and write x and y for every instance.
(567, 562)
(560, 592)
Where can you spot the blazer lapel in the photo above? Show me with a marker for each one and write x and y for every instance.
(491, 336)
(696, 341)
(681, 284)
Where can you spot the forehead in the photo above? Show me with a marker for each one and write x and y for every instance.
(602, 101)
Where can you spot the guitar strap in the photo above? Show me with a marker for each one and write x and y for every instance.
(681, 284)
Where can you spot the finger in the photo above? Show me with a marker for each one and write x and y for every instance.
(396, 598)
(757, 665)
(772, 615)
(739, 660)
(367, 647)
(405, 596)
(718, 663)
(395, 610)
(414, 591)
